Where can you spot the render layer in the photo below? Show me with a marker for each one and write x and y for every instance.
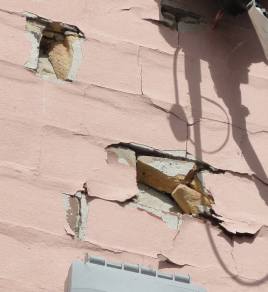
(122, 138)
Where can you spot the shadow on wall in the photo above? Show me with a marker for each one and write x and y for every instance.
(228, 74)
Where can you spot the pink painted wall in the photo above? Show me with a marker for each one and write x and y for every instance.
(133, 74)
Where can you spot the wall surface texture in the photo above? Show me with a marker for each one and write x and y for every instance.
(202, 95)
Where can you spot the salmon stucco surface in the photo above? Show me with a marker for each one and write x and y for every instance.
(125, 138)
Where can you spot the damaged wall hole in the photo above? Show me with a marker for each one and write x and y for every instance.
(56, 48)
(165, 184)
(169, 185)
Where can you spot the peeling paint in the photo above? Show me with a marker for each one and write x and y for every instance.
(76, 207)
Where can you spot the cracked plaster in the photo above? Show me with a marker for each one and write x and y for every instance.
(55, 136)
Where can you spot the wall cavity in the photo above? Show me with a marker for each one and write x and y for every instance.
(56, 48)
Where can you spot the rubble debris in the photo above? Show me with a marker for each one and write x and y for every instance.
(155, 178)
(191, 201)
(176, 178)
(56, 48)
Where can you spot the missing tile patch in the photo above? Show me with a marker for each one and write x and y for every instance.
(56, 48)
